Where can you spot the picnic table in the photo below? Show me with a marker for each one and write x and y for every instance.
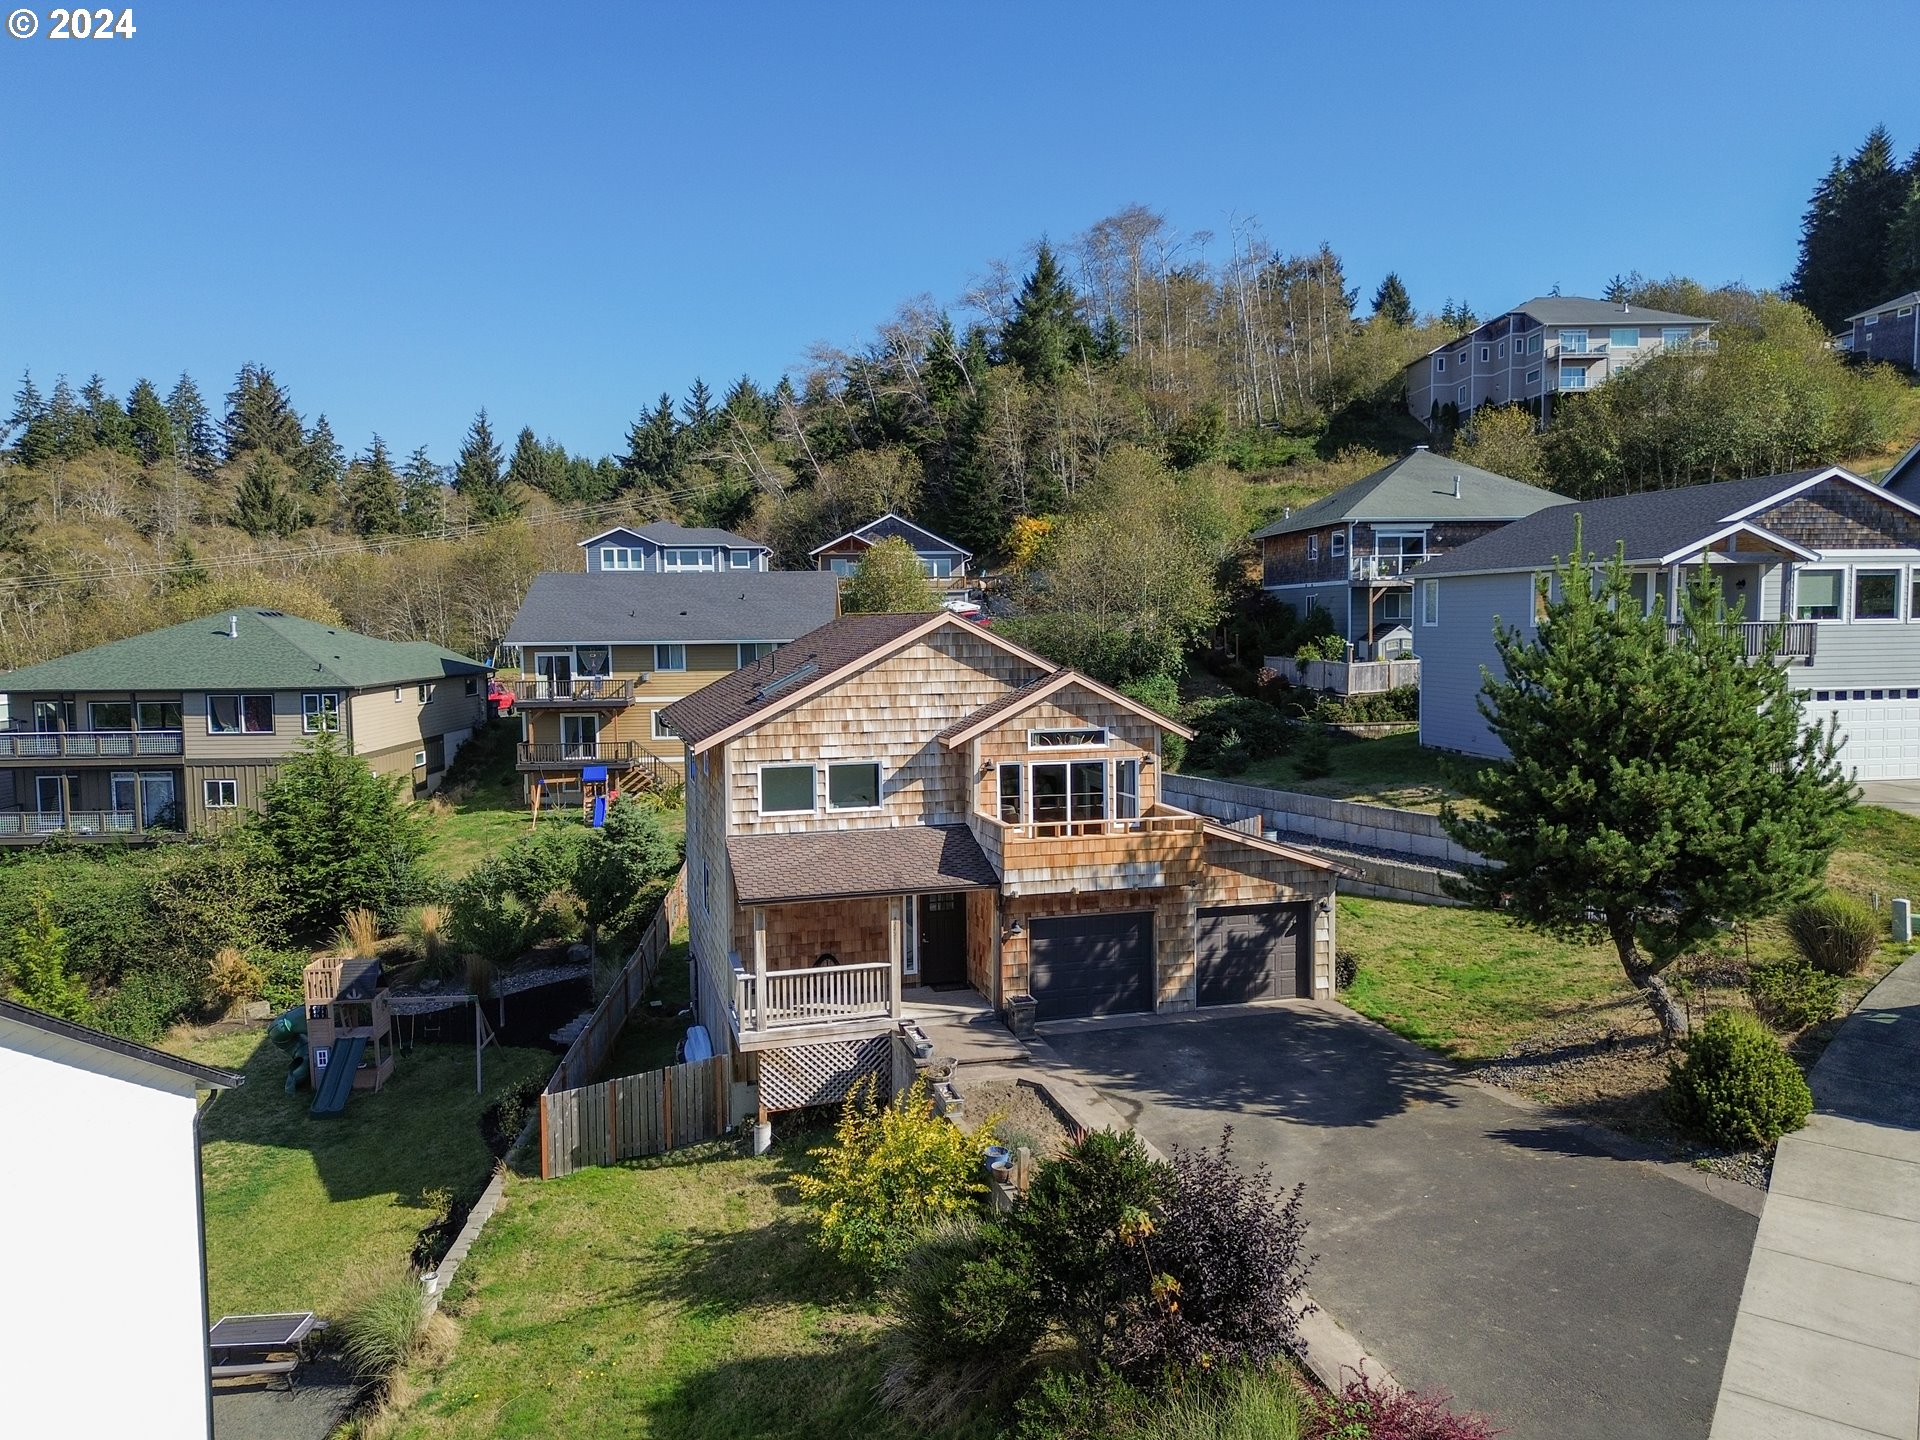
(248, 1345)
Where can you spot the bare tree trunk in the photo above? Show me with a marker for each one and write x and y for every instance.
(1647, 979)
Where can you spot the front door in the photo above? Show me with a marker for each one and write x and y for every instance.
(943, 940)
(50, 800)
(580, 736)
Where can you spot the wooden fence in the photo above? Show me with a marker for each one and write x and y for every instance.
(1358, 677)
(591, 1047)
(635, 1115)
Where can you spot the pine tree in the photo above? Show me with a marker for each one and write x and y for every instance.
(186, 571)
(653, 446)
(261, 417)
(322, 462)
(423, 493)
(1046, 333)
(747, 407)
(1846, 235)
(528, 465)
(151, 425)
(68, 424)
(111, 428)
(1391, 302)
(32, 437)
(1903, 236)
(373, 492)
(1657, 788)
(478, 476)
(193, 436)
(37, 959)
(262, 506)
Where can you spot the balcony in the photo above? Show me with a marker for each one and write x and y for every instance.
(1162, 847)
(811, 998)
(88, 744)
(27, 826)
(580, 693)
(1791, 639)
(567, 755)
(1388, 569)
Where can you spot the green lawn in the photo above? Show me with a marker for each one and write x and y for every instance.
(1394, 770)
(675, 1299)
(648, 1042)
(298, 1210)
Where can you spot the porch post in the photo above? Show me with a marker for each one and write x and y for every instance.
(896, 953)
(759, 967)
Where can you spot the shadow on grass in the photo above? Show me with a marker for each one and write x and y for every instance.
(825, 1394)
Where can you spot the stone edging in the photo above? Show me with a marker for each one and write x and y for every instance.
(434, 1286)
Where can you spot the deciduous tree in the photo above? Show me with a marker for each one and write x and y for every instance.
(889, 580)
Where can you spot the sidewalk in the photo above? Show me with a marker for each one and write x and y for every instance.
(1827, 1343)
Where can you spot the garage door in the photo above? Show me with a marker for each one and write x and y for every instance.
(1880, 728)
(1093, 965)
(1252, 952)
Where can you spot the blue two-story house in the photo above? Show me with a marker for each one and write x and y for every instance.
(1822, 567)
(664, 548)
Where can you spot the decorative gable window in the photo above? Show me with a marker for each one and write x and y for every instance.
(320, 714)
(1091, 737)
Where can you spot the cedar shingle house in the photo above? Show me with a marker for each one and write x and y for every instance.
(899, 802)
(178, 729)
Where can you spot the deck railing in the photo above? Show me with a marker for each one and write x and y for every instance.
(579, 690)
(819, 995)
(1383, 567)
(1087, 829)
(88, 744)
(1792, 639)
(82, 824)
(563, 755)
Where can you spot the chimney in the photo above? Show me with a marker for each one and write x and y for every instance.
(1456, 487)
(233, 627)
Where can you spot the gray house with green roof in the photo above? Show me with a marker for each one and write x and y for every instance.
(1349, 552)
(178, 729)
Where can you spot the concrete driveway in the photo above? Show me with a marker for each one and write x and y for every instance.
(1901, 795)
(1469, 1245)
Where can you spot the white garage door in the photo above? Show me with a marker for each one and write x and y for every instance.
(1880, 730)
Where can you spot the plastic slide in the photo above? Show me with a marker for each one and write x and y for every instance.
(289, 1033)
(336, 1081)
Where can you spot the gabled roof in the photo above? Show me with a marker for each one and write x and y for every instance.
(78, 1039)
(1912, 297)
(1033, 692)
(635, 608)
(891, 526)
(1416, 487)
(1575, 310)
(1212, 830)
(665, 532)
(1656, 526)
(882, 860)
(267, 651)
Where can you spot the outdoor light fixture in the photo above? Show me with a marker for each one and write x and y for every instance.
(1014, 931)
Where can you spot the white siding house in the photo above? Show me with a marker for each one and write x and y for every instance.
(103, 1314)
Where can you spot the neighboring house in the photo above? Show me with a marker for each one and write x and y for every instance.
(103, 1317)
(601, 655)
(898, 802)
(1890, 331)
(940, 558)
(1553, 344)
(1350, 552)
(178, 729)
(1820, 562)
(664, 548)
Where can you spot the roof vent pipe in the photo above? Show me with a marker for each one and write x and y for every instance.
(1456, 487)
(233, 627)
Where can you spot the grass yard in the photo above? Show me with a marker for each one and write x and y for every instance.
(300, 1210)
(648, 1042)
(1393, 770)
(675, 1299)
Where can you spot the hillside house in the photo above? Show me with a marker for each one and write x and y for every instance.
(945, 562)
(664, 548)
(896, 804)
(1889, 332)
(179, 729)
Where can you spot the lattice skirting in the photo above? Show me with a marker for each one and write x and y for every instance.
(804, 1075)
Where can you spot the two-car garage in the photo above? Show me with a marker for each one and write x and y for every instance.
(1103, 964)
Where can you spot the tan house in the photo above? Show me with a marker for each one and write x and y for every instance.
(896, 804)
(603, 654)
(180, 728)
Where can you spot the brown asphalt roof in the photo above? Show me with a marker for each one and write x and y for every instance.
(838, 645)
(1011, 700)
(836, 864)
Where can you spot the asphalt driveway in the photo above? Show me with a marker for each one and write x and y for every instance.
(1471, 1246)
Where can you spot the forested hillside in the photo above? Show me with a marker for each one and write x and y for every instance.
(1131, 403)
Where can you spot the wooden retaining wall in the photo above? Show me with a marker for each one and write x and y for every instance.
(592, 1045)
(635, 1115)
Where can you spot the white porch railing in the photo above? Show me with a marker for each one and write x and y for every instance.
(820, 995)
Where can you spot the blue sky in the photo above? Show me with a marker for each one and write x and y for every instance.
(409, 210)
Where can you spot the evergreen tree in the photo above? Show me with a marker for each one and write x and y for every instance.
(1846, 234)
(111, 428)
(33, 436)
(423, 493)
(653, 446)
(1458, 318)
(531, 465)
(1903, 236)
(1657, 787)
(1046, 333)
(943, 371)
(37, 960)
(478, 476)
(150, 424)
(697, 408)
(68, 424)
(261, 417)
(322, 462)
(1391, 302)
(627, 854)
(186, 571)
(373, 492)
(747, 406)
(263, 506)
(193, 436)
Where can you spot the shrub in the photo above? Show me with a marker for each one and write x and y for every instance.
(1233, 730)
(533, 865)
(1162, 693)
(1346, 969)
(1322, 647)
(503, 1120)
(1738, 1087)
(1381, 707)
(1080, 1405)
(426, 929)
(232, 979)
(1369, 1409)
(383, 1326)
(892, 1173)
(1313, 755)
(36, 958)
(626, 855)
(1793, 994)
(283, 977)
(146, 1004)
(1834, 932)
(960, 1318)
(359, 934)
(490, 924)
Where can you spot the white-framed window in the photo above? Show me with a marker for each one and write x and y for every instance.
(1876, 594)
(240, 714)
(853, 785)
(686, 557)
(1313, 547)
(752, 650)
(110, 715)
(1641, 586)
(1573, 377)
(1904, 311)
(1675, 335)
(1913, 596)
(419, 759)
(1817, 594)
(669, 657)
(1337, 544)
(621, 557)
(1486, 354)
(1573, 342)
(1534, 345)
(938, 567)
(399, 694)
(219, 794)
(740, 559)
(425, 693)
(1533, 377)
(1460, 396)
(662, 730)
(842, 566)
(1429, 602)
(1439, 364)
(1623, 337)
(1873, 319)
(1086, 737)
(320, 713)
(1126, 789)
(1500, 350)
(786, 790)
